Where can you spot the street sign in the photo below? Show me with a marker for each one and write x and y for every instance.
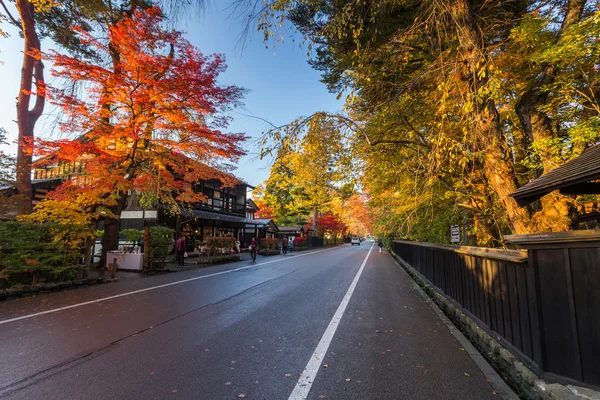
(454, 234)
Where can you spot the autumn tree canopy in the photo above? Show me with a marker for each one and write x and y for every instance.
(150, 120)
(310, 170)
(453, 105)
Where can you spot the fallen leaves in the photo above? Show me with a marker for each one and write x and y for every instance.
(348, 379)
(227, 383)
(241, 395)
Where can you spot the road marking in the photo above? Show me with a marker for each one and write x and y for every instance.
(307, 378)
(6, 321)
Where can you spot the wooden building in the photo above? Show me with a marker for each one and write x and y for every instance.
(227, 211)
(579, 176)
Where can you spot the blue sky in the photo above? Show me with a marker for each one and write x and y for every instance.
(281, 84)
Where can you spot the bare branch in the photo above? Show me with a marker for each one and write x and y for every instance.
(14, 21)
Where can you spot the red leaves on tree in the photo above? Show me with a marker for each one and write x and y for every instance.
(264, 211)
(329, 224)
(150, 117)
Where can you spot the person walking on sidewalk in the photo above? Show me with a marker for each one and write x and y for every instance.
(180, 249)
(253, 246)
(284, 245)
(380, 244)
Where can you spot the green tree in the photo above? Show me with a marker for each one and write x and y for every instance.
(320, 165)
(458, 103)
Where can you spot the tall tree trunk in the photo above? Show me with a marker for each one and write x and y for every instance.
(557, 210)
(32, 70)
(110, 239)
(537, 125)
(498, 167)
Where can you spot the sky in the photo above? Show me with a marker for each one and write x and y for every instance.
(282, 85)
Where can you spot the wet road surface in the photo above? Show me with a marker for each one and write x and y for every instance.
(240, 330)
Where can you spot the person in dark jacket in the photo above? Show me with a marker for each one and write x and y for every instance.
(253, 249)
(380, 244)
(180, 249)
(284, 245)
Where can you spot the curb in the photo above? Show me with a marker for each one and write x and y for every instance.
(9, 294)
(526, 382)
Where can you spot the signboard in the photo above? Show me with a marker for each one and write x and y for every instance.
(454, 234)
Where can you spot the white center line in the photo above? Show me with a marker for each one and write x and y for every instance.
(6, 321)
(307, 378)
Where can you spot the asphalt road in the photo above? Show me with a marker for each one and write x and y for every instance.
(244, 330)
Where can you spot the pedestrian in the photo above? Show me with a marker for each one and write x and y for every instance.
(284, 244)
(253, 246)
(380, 244)
(237, 246)
(291, 243)
(180, 249)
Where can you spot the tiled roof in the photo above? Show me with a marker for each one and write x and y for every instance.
(294, 228)
(582, 169)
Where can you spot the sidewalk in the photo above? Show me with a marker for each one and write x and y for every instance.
(390, 344)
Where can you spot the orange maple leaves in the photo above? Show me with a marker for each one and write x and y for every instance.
(149, 117)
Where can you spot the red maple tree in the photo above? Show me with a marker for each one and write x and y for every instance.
(150, 117)
(329, 224)
(264, 211)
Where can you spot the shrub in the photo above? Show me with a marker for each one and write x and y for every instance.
(269, 243)
(27, 246)
(132, 235)
(161, 242)
(216, 244)
(299, 241)
(387, 242)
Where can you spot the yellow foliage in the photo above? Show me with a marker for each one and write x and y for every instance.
(72, 224)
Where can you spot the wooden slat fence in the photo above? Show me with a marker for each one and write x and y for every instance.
(513, 293)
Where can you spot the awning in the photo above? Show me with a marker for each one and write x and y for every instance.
(573, 178)
(291, 229)
(267, 224)
(212, 216)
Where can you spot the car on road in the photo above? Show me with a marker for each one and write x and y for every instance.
(355, 241)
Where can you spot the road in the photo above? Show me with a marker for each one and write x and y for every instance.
(337, 323)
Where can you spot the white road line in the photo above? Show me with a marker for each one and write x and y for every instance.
(6, 321)
(307, 378)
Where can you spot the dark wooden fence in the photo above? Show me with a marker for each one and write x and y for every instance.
(314, 241)
(542, 301)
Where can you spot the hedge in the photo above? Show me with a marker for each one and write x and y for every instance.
(216, 244)
(299, 241)
(28, 246)
(269, 252)
(269, 243)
